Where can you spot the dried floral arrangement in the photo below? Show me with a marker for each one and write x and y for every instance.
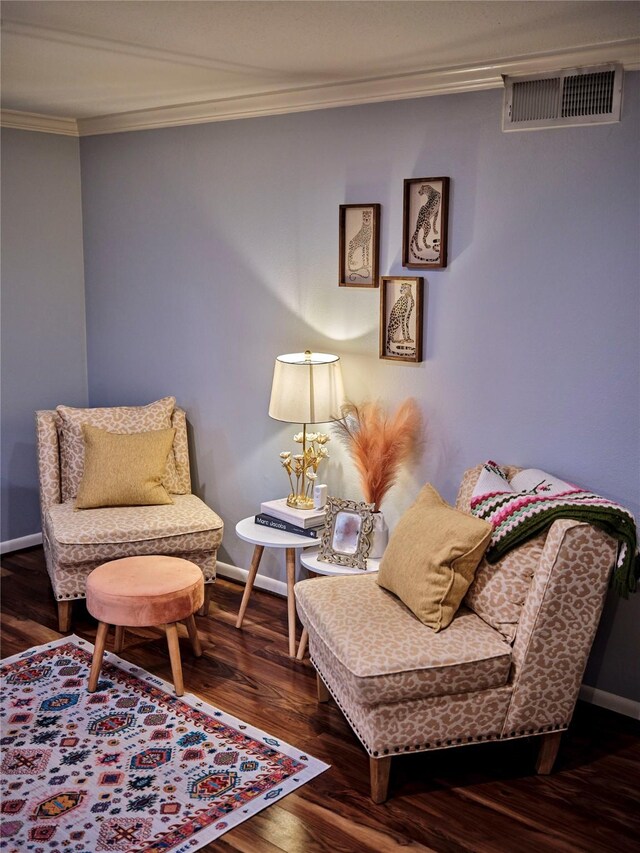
(380, 443)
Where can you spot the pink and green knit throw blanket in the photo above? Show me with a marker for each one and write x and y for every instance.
(521, 508)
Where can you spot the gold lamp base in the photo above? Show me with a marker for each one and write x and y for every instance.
(300, 501)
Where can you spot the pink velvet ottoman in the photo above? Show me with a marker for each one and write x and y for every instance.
(138, 592)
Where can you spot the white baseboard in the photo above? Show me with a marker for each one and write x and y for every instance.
(20, 543)
(226, 570)
(610, 701)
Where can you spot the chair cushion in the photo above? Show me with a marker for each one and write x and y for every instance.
(187, 514)
(499, 590)
(430, 722)
(74, 563)
(137, 591)
(124, 470)
(386, 654)
(119, 419)
(93, 536)
(432, 556)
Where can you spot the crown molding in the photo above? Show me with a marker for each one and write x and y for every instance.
(41, 123)
(419, 84)
(109, 45)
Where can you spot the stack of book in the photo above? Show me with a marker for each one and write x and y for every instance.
(304, 522)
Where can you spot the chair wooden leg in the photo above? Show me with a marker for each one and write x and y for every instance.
(547, 752)
(119, 640)
(302, 648)
(379, 774)
(253, 571)
(96, 661)
(323, 693)
(208, 595)
(174, 656)
(64, 616)
(190, 622)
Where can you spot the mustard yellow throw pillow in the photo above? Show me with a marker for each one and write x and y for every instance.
(124, 469)
(432, 556)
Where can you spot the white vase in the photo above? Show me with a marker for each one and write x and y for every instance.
(379, 536)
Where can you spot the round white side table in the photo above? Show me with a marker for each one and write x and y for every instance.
(310, 561)
(268, 537)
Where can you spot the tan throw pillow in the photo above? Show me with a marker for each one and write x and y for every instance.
(117, 419)
(432, 556)
(124, 469)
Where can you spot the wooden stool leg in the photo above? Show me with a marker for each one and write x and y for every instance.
(208, 595)
(190, 622)
(174, 656)
(98, 649)
(253, 571)
(119, 640)
(291, 599)
(303, 644)
(64, 616)
(379, 774)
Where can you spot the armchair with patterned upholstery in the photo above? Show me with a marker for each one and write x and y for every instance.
(509, 666)
(76, 541)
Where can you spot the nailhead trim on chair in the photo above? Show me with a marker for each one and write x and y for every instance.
(447, 744)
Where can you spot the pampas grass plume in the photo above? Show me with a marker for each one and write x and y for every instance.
(380, 443)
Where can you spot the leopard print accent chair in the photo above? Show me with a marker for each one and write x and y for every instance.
(509, 665)
(75, 542)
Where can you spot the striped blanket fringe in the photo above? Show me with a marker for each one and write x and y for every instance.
(519, 516)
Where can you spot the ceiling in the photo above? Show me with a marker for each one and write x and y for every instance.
(101, 66)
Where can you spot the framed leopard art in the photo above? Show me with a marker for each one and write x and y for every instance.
(424, 223)
(401, 318)
(359, 237)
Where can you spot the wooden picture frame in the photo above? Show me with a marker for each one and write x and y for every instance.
(425, 215)
(359, 245)
(401, 299)
(346, 537)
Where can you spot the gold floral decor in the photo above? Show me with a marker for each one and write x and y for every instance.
(304, 467)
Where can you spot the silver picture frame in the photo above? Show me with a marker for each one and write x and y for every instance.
(346, 537)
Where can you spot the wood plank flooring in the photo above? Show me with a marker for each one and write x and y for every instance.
(478, 799)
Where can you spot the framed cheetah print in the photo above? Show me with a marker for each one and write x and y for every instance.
(359, 236)
(401, 318)
(424, 223)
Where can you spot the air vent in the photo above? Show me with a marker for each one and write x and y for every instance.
(565, 98)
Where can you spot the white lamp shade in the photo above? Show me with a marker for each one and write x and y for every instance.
(307, 388)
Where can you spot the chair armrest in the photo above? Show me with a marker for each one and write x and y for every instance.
(558, 623)
(48, 450)
(181, 450)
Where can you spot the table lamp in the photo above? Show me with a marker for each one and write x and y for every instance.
(306, 389)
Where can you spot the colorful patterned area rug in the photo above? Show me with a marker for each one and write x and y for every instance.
(130, 767)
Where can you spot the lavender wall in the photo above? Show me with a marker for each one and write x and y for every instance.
(210, 249)
(44, 358)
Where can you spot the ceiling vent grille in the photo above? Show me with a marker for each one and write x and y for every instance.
(574, 96)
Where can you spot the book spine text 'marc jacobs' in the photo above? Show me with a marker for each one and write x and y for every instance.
(279, 524)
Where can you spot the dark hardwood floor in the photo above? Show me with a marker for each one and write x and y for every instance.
(482, 798)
